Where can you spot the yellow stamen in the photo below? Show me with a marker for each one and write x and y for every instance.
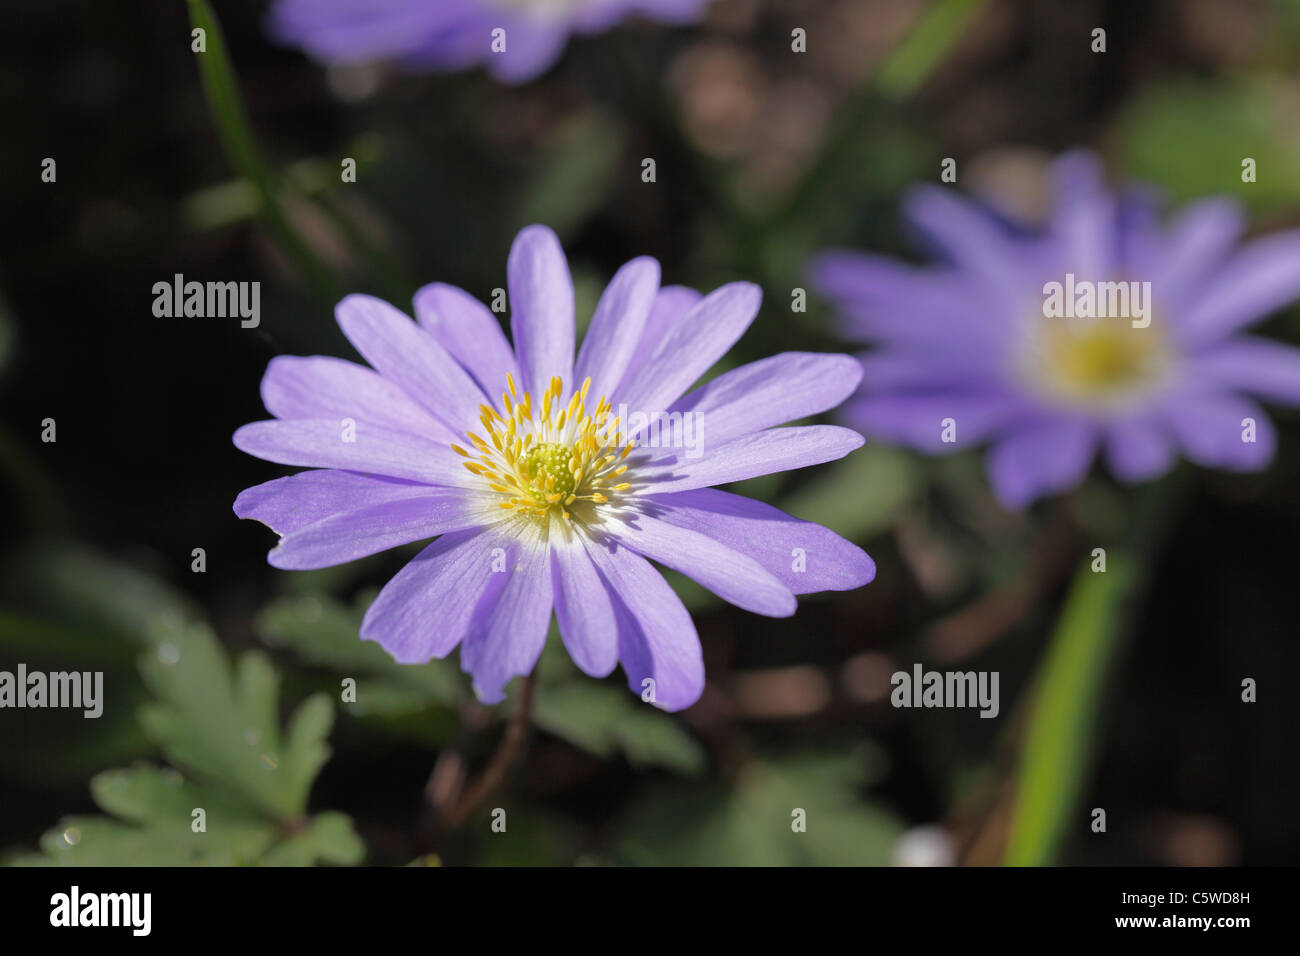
(559, 461)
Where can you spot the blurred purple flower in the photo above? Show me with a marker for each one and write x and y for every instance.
(456, 34)
(540, 498)
(971, 341)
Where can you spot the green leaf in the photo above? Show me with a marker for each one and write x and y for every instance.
(217, 723)
(100, 841)
(1191, 137)
(861, 495)
(327, 633)
(80, 610)
(223, 727)
(328, 837)
(153, 823)
(605, 720)
(305, 750)
(752, 822)
(77, 586)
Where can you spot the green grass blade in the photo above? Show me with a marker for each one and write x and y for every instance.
(236, 135)
(912, 62)
(1063, 717)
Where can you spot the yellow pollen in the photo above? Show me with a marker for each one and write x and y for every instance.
(549, 464)
(1098, 361)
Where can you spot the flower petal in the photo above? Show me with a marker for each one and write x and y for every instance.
(431, 604)
(541, 308)
(339, 32)
(929, 372)
(584, 608)
(730, 574)
(875, 293)
(468, 330)
(373, 450)
(354, 534)
(617, 325)
(319, 386)
(1259, 279)
(590, 18)
(656, 636)
(771, 391)
(514, 631)
(407, 355)
(976, 242)
(289, 504)
(1199, 239)
(762, 453)
(777, 541)
(1139, 448)
(1212, 429)
(1267, 369)
(532, 45)
(1084, 217)
(1041, 459)
(671, 305)
(920, 420)
(692, 347)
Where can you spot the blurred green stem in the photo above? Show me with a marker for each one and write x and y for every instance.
(1065, 711)
(236, 135)
(1062, 719)
(934, 35)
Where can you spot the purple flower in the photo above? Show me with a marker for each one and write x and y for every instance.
(455, 34)
(551, 496)
(1028, 340)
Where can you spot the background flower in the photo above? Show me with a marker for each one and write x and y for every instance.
(969, 342)
(455, 34)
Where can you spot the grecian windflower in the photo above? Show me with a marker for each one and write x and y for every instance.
(515, 39)
(1104, 330)
(553, 482)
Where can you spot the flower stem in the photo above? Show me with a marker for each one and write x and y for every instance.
(934, 35)
(512, 741)
(1063, 716)
(1064, 713)
(236, 135)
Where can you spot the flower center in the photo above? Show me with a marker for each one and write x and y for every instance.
(1098, 361)
(550, 466)
(553, 460)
